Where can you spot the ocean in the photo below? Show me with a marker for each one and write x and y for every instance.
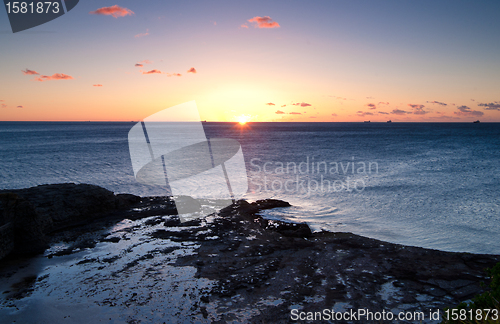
(433, 185)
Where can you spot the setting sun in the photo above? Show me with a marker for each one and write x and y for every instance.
(243, 119)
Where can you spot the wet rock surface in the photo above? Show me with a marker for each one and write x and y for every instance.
(142, 265)
(279, 266)
(28, 215)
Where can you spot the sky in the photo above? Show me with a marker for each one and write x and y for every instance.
(289, 61)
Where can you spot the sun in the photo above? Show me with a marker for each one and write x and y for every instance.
(242, 120)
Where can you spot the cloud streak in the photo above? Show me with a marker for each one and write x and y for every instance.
(399, 112)
(363, 113)
(437, 103)
(55, 76)
(279, 112)
(263, 22)
(115, 11)
(418, 109)
(30, 72)
(142, 34)
(490, 106)
(302, 104)
(466, 111)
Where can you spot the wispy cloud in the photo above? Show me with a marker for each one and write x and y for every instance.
(30, 72)
(383, 113)
(244, 26)
(399, 112)
(141, 63)
(4, 105)
(364, 113)
(283, 105)
(97, 85)
(191, 70)
(302, 104)
(20, 107)
(142, 34)
(383, 103)
(437, 103)
(466, 111)
(490, 106)
(55, 76)
(152, 72)
(115, 11)
(264, 22)
(371, 106)
(279, 112)
(295, 113)
(270, 104)
(334, 115)
(418, 109)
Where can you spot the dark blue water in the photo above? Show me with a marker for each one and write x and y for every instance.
(432, 185)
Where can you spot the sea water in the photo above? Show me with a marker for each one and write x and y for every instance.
(434, 185)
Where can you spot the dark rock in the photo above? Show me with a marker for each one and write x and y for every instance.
(25, 226)
(35, 212)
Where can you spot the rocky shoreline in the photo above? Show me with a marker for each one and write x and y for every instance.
(235, 266)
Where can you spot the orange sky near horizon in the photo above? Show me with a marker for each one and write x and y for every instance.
(340, 63)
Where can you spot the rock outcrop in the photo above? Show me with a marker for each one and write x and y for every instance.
(27, 215)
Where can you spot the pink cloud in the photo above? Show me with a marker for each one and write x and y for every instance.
(30, 72)
(97, 85)
(191, 70)
(334, 115)
(139, 65)
(173, 74)
(244, 26)
(302, 104)
(55, 76)
(270, 104)
(142, 34)
(279, 112)
(295, 113)
(383, 103)
(283, 105)
(115, 11)
(152, 72)
(264, 22)
(4, 105)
